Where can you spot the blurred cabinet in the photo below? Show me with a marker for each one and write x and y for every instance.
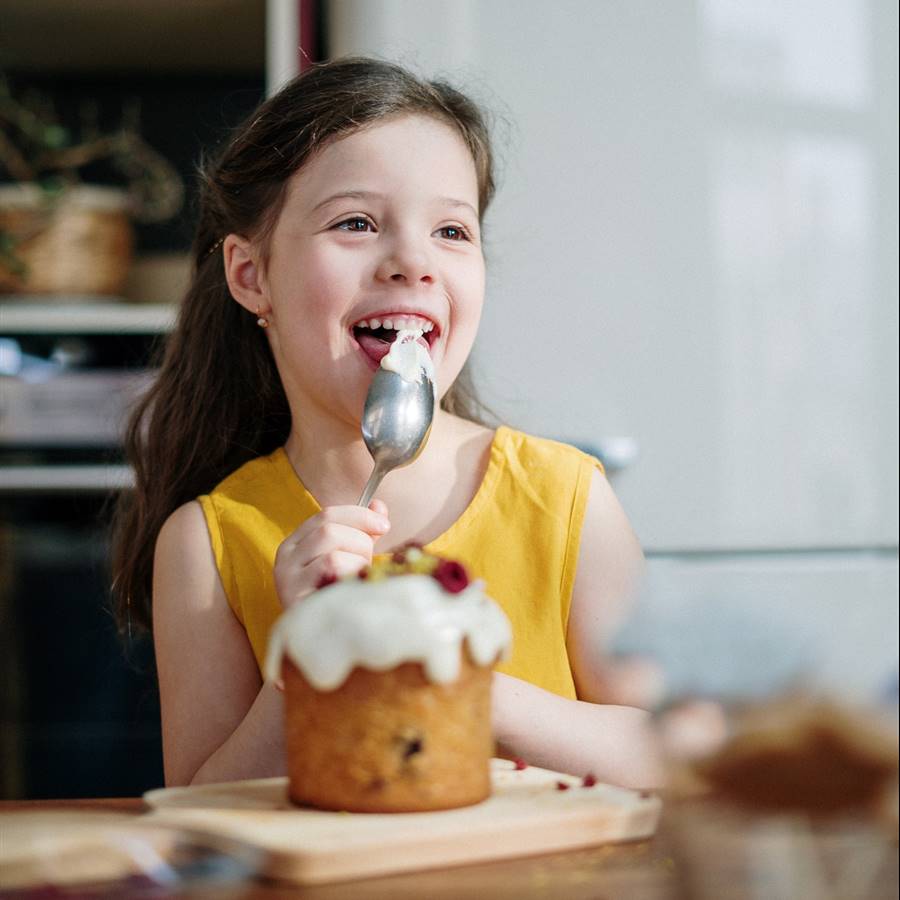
(79, 709)
(184, 73)
(78, 716)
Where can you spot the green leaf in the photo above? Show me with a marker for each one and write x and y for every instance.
(55, 136)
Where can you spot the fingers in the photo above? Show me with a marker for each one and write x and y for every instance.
(693, 729)
(334, 543)
(333, 537)
(372, 521)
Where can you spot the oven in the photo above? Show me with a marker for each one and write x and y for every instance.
(79, 704)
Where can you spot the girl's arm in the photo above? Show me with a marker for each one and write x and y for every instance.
(219, 722)
(615, 743)
(610, 567)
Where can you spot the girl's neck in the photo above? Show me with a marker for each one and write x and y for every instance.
(328, 456)
(332, 461)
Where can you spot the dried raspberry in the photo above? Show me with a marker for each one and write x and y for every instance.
(562, 786)
(399, 557)
(364, 573)
(589, 780)
(452, 576)
(520, 764)
(325, 580)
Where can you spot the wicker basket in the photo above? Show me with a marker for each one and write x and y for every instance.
(74, 244)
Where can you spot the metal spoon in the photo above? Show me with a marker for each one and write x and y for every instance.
(396, 423)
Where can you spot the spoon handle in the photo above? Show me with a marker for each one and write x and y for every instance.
(375, 479)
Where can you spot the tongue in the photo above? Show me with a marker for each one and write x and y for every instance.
(373, 347)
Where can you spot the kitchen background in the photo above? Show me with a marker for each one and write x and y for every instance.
(693, 272)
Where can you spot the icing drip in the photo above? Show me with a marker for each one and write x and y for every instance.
(380, 625)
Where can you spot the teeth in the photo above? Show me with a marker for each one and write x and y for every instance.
(399, 323)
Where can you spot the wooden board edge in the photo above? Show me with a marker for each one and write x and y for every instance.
(324, 867)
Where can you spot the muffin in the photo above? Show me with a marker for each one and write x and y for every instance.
(387, 687)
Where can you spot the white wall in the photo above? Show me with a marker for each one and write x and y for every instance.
(694, 245)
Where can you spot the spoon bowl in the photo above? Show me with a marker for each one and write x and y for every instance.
(396, 423)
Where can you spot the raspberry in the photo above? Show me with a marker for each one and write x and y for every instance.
(452, 576)
(589, 780)
(562, 786)
(520, 764)
(325, 580)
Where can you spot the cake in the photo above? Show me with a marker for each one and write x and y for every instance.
(387, 687)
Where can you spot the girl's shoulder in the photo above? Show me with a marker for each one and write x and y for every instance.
(184, 526)
(535, 453)
(262, 494)
(508, 444)
(252, 476)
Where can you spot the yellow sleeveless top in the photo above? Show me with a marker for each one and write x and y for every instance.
(520, 535)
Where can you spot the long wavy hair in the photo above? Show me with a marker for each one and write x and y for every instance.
(218, 400)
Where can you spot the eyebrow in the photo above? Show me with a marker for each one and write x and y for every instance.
(352, 195)
(453, 202)
(372, 195)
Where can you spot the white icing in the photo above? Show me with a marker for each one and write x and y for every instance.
(408, 358)
(380, 625)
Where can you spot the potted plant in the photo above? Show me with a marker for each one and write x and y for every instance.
(69, 197)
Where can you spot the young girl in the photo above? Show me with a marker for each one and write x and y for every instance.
(351, 206)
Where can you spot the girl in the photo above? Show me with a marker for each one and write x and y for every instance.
(350, 206)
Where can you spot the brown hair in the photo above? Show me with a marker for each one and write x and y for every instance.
(218, 399)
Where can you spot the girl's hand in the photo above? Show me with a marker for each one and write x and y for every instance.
(337, 541)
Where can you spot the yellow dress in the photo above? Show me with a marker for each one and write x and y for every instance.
(520, 535)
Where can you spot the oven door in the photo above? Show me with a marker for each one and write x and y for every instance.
(79, 704)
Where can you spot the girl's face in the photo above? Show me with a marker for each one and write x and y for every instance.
(379, 231)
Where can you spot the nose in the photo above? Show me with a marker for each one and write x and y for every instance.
(406, 260)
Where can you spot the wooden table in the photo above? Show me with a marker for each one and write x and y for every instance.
(700, 851)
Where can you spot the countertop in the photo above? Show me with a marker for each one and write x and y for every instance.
(701, 850)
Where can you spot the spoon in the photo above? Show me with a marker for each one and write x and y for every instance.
(396, 423)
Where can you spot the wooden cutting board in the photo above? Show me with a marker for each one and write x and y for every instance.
(527, 814)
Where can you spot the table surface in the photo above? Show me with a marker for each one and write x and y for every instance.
(701, 850)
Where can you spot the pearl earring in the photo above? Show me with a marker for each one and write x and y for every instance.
(261, 320)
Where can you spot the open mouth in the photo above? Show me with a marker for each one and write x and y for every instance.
(376, 335)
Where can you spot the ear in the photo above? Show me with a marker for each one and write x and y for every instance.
(244, 274)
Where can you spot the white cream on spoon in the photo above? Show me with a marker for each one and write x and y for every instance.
(408, 357)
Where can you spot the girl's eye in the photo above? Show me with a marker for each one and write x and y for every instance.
(453, 233)
(356, 223)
